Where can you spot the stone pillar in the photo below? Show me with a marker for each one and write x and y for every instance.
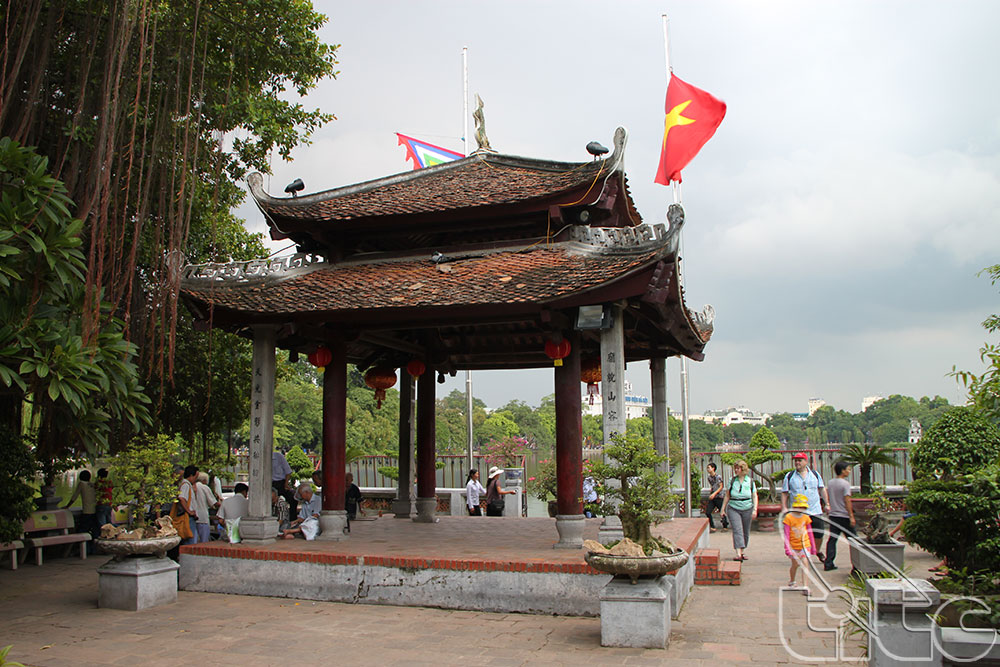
(402, 506)
(136, 583)
(569, 449)
(613, 398)
(333, 517)
(661, 425)
(900, 632)
(259, 527)
(426, 435)
(636, 615)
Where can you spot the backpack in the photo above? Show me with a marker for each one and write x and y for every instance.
(819, 482)
(753, 485)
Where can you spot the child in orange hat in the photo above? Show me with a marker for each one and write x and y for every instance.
(799, 542)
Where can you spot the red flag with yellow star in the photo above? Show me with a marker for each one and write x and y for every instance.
(692, 118)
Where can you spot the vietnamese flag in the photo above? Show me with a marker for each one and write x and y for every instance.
(692, 118)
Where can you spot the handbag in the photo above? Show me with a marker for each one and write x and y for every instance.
(180, 519)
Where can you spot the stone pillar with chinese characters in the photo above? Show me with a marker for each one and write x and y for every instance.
(613, 397)
(259, 527)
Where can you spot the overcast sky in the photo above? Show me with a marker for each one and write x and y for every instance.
(836, 222)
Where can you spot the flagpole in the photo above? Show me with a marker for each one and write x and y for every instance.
(685, 418)
(465, 144)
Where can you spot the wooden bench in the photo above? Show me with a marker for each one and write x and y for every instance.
(12, 547)
(47, 528)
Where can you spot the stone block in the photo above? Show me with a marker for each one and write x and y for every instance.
(635, 615)
(137, 583)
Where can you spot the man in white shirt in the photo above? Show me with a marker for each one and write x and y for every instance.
(234, 507)
(204, 500)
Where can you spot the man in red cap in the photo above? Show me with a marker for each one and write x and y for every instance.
(808, 482)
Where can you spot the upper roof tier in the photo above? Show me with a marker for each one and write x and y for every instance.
(484, 198)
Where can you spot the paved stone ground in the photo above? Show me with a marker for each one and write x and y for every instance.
(50, 616)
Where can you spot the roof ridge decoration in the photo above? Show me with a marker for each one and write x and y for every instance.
(625, 240)
(254, 270)
(482, 143)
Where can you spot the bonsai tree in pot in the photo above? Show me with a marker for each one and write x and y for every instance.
(144, 479)
(762, 446)
(640, 493)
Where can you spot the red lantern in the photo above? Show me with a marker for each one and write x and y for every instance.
(590, 372)
(380, 379)
(320, 358)
(416, 368)
(557, 351)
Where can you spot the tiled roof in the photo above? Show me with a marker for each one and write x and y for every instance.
(478, 180)
(537, 275)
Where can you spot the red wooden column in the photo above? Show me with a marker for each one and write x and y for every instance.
(426, 455)
(333, 518)
(569, 448)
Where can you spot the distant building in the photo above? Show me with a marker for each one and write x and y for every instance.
(799, 416)
(869, 401)
(729, 416)
(916, 431)
(815, 404)
(635, 405)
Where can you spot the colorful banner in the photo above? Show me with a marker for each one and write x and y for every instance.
(424, 154)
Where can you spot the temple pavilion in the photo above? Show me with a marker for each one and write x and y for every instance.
(488, 262)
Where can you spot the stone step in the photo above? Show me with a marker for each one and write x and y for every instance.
(706, 557)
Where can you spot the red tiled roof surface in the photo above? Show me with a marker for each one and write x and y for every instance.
(476, 181)
(540, 274)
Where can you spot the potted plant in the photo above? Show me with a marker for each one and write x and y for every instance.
(762, 446)
(639, 493)
(876, 541)
(543, 484)
(143, 481)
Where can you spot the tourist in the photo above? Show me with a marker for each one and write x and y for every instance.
(740, 507)
(841, 511)
(186, 496)
(307, 523)
(590, 498)
(281, 475)
(473, 489)
(204, 502)
(798, 540)
(279, 510)
(715, 496)
(233, 509)
(317, 479)
(352, 497)
(808, 482)
(495, 493)
(88, 500)
(104, 489)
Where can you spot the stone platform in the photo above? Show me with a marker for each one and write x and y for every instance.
(496, 564)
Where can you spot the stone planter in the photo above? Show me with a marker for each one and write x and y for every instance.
(139, 576)
(875, 558)
(553, 508)
(634, 567)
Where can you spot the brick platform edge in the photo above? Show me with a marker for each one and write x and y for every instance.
(531, 585)
(711, 571)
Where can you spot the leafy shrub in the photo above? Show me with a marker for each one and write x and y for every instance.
(143, 475)
(543, 484)
(762, 444)
(961, 441)
(302, 467)
(17, 466)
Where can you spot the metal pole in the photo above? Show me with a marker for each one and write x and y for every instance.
(465, 99)
(687, 438)
(468, 415)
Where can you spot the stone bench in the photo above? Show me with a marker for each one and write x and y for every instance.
(47, 528)
(13, 548)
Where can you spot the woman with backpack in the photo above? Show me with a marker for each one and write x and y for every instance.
(740, 506)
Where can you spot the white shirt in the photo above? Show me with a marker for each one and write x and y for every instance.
(203, 499)
(234, 507)
(472, 491)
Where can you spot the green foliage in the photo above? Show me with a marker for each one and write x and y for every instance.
(543, 484)
(956, 518)
(17, 467)
(984, 389)
(532, 423)
(498, 427)
(143, 475)
(865, 456)
(960, 442)
(762, 444)
(640, 490)
(4, 662)
(392, 472)
(302, 467)
(81, 385)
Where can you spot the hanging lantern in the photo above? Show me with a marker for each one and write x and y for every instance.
(590, 372)
(557, 351)
(416, 368)
(320, 358)
(380, 379)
